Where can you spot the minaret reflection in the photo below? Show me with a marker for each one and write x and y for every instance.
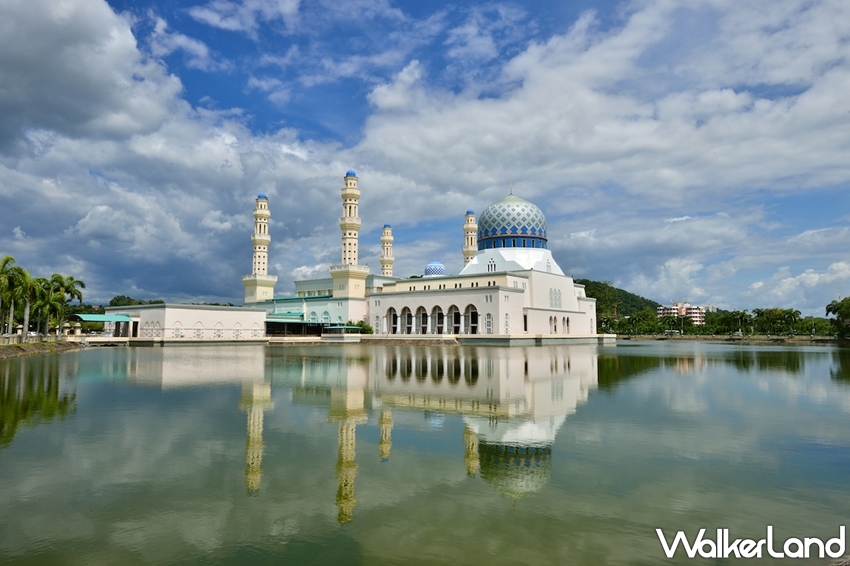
(256, 399)
(347, 408)
(470, 455)
(385, 424)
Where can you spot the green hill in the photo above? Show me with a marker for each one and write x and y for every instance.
(607, 296)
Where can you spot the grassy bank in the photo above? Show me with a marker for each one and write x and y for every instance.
(15, 350)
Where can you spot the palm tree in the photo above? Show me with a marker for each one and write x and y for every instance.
(69, 287)
(43, 304)
(5, 266)
(841, 310)
(17, 280)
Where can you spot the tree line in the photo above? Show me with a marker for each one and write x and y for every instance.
(34, 301)
(759, 321)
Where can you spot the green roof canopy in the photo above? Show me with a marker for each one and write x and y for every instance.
(101, 317)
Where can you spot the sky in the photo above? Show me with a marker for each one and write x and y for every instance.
(693, 151)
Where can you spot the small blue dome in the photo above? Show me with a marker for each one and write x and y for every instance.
(351, 173)
(435, 268)
(470, 211)
(387, 226)
(262, 195)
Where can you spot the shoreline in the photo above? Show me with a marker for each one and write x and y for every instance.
(9, 351)
(760, 340)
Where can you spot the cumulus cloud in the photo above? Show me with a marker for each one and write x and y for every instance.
(74, 68)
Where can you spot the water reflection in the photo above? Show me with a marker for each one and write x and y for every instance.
(512, 403)
(30, 394)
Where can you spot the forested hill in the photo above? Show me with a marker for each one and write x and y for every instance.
(607, 296)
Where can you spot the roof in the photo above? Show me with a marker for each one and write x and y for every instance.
(101, 317)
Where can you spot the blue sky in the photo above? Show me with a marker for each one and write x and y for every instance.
(682, 150)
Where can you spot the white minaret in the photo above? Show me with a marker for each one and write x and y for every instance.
(259, 285)
(349, 278)
(387, 258)
(349, 223)
(470, 237)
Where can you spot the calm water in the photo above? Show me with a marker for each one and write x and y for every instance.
(368, 455)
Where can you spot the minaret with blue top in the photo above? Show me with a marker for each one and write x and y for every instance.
(259, 285)
(349, 277)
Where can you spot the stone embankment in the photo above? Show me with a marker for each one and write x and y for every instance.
(36, 348)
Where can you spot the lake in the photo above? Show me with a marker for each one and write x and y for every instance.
(421, 455)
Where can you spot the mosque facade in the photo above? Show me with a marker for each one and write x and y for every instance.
(510, 285)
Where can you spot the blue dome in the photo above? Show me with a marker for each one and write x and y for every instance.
(512, 222)
(470, 211)
(435, 268)
(387, 226)
(350, 173)
(262, 195)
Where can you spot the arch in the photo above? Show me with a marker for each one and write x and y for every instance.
(438, 370)
(314, 318)
(392, 321)
(470, 316)
(406, 368)
(454, 370)
(567, 325)
(255, 331)
(507, 323)
(555, 323)
(421, 369)
(326, 317)
(237, 330)
(406, 321)
(218, 330)
(550, 324)
(198, 331)
(470, 373)
(437, 320)
(454, 322)
(157, 330)
(339, 318)
(378, 329)
(421, 321)
(488, 323)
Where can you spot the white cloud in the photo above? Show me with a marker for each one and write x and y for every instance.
(198, 55)
(246, 16)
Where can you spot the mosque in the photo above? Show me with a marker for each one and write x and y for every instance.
(509, 288)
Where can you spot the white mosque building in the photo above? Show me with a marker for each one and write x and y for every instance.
(510, 286)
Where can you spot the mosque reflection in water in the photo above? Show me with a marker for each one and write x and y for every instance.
(512, 403)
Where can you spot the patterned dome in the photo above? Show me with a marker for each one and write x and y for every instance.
(512, 222)
(435, 268)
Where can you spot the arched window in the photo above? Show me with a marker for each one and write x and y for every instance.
(507, 323)
(326, 317)
(314, 318)
(488, 323)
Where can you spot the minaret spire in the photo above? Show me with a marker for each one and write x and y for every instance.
(470, 238)
(259, 285)
(349, 222)
(387, 258)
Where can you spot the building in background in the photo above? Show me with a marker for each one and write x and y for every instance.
(684, 309)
